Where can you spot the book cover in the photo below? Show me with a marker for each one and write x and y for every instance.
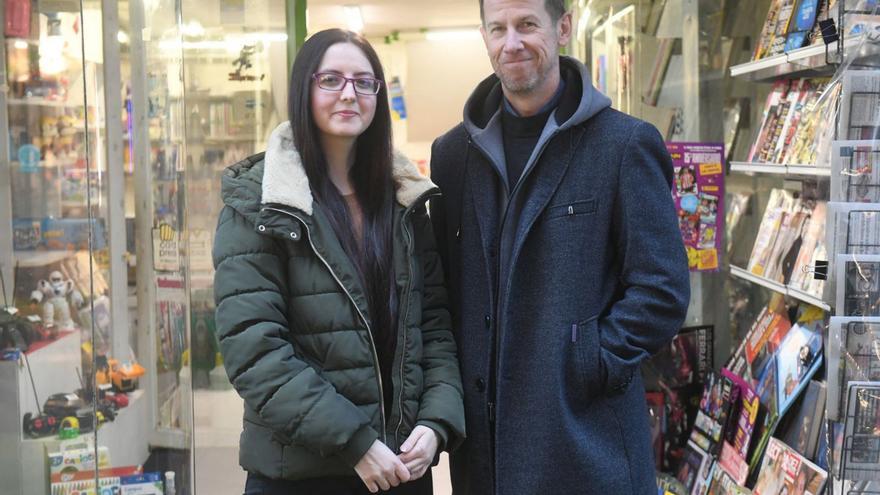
(785, 471)
(800, 428)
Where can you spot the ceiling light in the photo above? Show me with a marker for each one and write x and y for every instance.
(452, 34)
(122, 37)
(193, 29)
(20, 45)
(353, 18)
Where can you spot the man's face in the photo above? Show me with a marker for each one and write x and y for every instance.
(523, 42)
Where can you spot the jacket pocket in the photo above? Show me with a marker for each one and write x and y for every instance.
(584, 360)
(573, 208)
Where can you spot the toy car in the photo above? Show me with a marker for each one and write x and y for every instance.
(124, 377)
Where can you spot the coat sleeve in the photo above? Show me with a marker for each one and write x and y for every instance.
(654, 268)
(442, 402)
(250, 288)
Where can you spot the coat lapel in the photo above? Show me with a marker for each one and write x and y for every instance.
(482, 183)
(545, 180)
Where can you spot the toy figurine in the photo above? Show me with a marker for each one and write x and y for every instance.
(53, 294)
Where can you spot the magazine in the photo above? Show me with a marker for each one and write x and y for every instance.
(860, 105)
(861, 453)
(785, 471)
(798, 358)
(749, 407)
(687, 359)
(779, 203)
(853, 355)
(858, 286)
(723, 484)
(764, 339)
(731, 462)
(801, 426)
(855, 178)
(812, 249)
(712, 418)
(696, 469)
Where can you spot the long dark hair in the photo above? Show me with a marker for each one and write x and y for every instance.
(371, 178)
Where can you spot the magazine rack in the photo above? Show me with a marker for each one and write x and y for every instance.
(860, 455)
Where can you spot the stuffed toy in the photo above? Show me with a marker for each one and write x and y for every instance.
(53, 294)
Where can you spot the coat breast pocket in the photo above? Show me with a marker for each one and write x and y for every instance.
(571, 209)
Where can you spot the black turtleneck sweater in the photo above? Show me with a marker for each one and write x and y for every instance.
(521, 135)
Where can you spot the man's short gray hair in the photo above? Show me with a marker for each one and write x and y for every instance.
(554, 7)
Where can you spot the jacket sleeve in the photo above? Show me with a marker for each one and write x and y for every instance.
(442, 403)
(654, 268)
(250, 288)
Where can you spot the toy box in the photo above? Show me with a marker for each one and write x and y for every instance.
(73, 233)
(143, 484)
(76, 457)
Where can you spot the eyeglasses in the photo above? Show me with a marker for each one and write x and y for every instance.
(335, 82)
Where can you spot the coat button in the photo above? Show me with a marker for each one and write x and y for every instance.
(481, 385)
(293, 235)
(261, 228)
(488, 322)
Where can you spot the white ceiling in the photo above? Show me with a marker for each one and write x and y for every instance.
(381, 17)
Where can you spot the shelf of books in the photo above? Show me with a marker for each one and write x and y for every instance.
(796, 408)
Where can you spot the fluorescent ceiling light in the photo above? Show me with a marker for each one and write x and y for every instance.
(353, 18)
(193, 29)
(122, 37)
(232, 43)
(452, 34)
(583, 22)
(20, 45)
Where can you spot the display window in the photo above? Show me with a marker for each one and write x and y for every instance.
(119, 118)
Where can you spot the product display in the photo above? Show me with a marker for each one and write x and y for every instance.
(785, 471)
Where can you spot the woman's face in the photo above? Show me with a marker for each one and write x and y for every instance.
(343, 113)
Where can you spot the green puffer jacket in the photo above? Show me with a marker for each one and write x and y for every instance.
(294, 327)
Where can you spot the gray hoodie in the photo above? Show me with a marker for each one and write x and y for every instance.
(482, 119)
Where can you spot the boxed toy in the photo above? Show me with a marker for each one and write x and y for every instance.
(143, 484)
(77, 456)
(73, 233)
(27, 234)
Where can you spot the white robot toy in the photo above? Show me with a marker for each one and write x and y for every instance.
(53, 295)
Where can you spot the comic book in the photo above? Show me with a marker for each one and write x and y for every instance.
(783, 470)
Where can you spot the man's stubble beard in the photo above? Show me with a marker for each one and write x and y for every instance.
(524, 87)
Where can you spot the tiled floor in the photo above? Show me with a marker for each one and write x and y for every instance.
(217, 426)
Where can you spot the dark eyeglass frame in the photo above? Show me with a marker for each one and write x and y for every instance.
(317, 77)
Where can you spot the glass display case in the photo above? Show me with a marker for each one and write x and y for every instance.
(120, 118)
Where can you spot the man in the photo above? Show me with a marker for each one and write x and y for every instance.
(565, 265)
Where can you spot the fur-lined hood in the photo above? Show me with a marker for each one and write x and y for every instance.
(285, 182)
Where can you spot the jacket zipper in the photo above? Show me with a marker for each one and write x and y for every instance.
(363, 318)
(407, 292)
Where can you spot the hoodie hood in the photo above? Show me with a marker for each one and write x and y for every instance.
(580, 100)
(279, 177)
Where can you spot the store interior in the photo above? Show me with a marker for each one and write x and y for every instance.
(121, 117)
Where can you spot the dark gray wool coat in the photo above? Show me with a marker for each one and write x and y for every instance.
(559, 289)
(294, 326)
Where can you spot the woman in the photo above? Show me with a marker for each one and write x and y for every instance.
(331, 310)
